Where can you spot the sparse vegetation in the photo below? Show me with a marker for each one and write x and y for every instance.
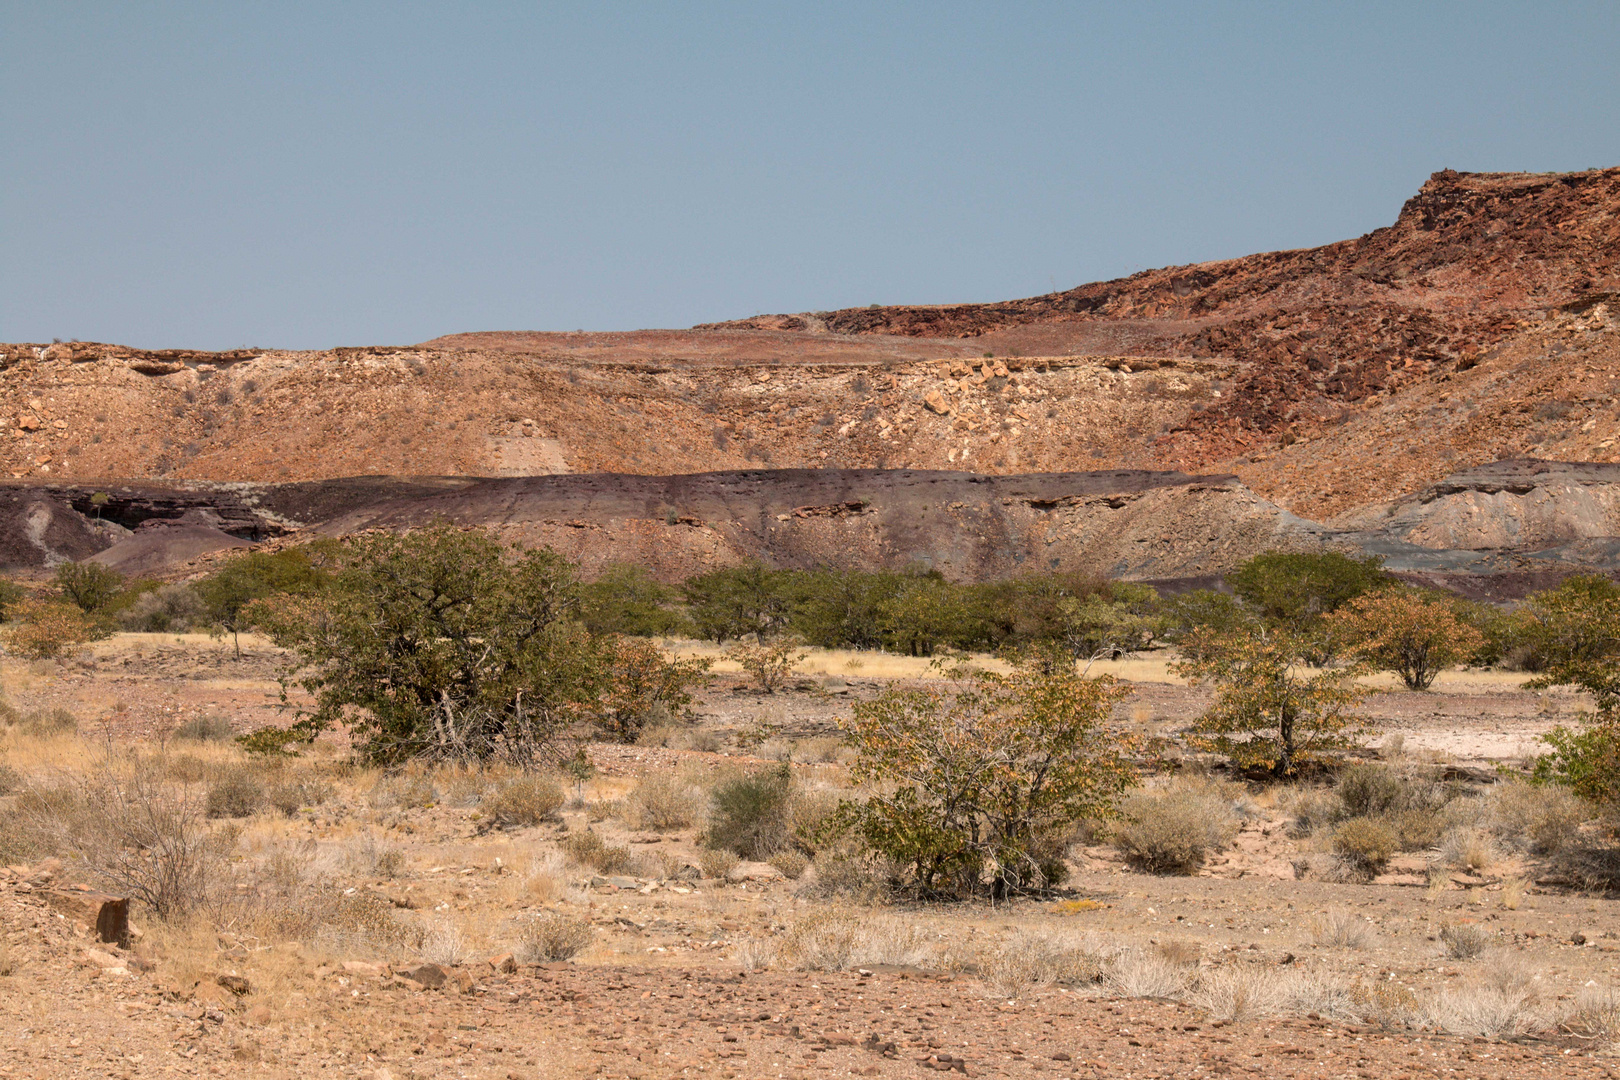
(1173, 831)
(523, 801)
(546, 937)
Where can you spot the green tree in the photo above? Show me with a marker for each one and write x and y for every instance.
(643, 684)
(736, 602)
(1268, 713)
(441, 644)
(1293, 590)
(1575, 630)
(1122, 619)
(1202, 610)
(626, 599)
(974, 777)
(227, 594)
(834, 608)
(90, 586)
(924, 614)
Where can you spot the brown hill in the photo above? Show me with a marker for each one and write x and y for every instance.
(1481, 326)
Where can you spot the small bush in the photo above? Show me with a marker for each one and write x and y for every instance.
(238, 793)
(665, 801)
(837, 942)
(717, 862)
(166, 609)
(292, 796)
(550, 936)
(791, 864)
(1544, 818)
(1173, 832)
(750, 814)
(47, 723)
(407, 791)
(1029, 959)
(1367, 790)
(1464, 941)
(523, 801)
(1365, 843)
(1148, 973)
(211, 728)
(1468, 848)
(10, 779)
(443, 943)
(46, 629)
(770, 665)
(588, 849)
(1311, 809)
(1341, 930)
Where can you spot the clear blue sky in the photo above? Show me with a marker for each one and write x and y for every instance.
(302, 175)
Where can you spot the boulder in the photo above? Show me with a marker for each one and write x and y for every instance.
(102, 914)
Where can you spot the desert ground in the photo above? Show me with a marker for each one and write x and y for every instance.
(390, 925)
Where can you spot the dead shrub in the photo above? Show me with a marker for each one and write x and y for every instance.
(405, 791)
(1173, 832)
(237, 793)
(131, 832)
(1465, 941)
(1136, 972)
(1364, 843)
(1342, 930)
(1486, 1011)
(523, 801)
(550, 936)
(443, 942)
(1310, 808)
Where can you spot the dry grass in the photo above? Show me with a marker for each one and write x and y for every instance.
(1512, 893)
(1137, 972)
(1172, 831)
(1465, 941)
(589, 849)
(522, 801)
(1029, 959)
(790, 864)
(549, 936)
(1465, 847)
(443, 942)
(1342, 930)
(1240, 992)
(837, 941)
(717, 862)
(665, 801)
(1595, 1016)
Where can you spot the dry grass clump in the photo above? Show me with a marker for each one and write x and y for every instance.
(1541, 818)
(1137, 972)
(790, 864)
(665, 802)
(717, 862)
(1173, 831)
(1465, 847)
(588, 849)
(1365, 844)
(1342, 930)
(1502, 1002)
(1240, 992)
(47, 723)
(237, 793)
(405, 791)
(10, 779)
(835, 941)
(1029, 959)
(1465, 941)
(1594, 1017)
(549, 936)
(299, 793)
(207, 728)
(523, 801)
(443, 942)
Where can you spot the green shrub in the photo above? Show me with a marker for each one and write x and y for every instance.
(750, 814)
(1365, 844)
(523, 801)
(237, 793)
(1172, 832)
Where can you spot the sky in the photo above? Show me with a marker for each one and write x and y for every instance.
(306, 175)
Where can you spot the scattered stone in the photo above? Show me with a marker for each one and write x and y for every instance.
(429, 976)
(236, 984)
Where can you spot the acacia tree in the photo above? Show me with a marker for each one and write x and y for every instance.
(1575, 629)
(439, 643)
(1268, 713)
(1406, 631)
(977, 774)
(641, 684)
